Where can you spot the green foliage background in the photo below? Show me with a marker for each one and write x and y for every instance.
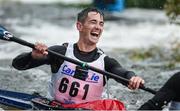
(172, 8)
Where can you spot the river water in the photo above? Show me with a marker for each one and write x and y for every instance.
(54, 24)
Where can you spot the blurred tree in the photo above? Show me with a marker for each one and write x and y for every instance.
(172, 8)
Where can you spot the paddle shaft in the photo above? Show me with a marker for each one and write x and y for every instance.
(25, 43)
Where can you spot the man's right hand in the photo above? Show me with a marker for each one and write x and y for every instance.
(40, 51)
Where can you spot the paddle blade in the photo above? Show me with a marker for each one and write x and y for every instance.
(5, 34)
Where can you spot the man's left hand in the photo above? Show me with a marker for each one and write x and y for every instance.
(135, 82)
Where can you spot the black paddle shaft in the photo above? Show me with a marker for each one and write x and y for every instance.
(22, 42)
(25, 43)
(5, 35)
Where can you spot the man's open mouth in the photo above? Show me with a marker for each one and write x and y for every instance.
(94, 34)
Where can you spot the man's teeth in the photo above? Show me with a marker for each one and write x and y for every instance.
(94, 34)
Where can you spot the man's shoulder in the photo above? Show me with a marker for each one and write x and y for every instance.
(109, 59)
(65, 44)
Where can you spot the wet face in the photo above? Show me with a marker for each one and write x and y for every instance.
(92, 28)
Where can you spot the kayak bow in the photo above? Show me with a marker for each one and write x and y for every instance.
(26, 101)
(16, 99)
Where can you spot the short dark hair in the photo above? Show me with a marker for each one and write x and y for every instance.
(84, 13)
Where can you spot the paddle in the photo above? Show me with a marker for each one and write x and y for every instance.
(5, 35)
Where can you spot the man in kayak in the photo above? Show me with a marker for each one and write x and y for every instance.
(170, 92)
(71, 83)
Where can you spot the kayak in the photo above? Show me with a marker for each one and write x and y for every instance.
(16, 99)
(24, 101)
